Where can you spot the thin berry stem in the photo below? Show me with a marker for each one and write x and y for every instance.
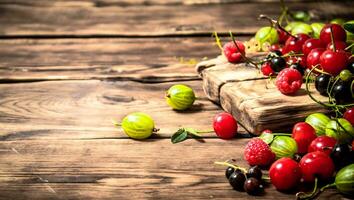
(231, 165)
(205, 131)
(327, 186)
(115, 123)
(303, 195)
(276, 23)
(332, 39)
(239, 50)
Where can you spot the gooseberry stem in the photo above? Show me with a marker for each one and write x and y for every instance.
(231, 165)
(206, 131)
(239, 50)
(302, 195)
(115, 123)
(327, 186)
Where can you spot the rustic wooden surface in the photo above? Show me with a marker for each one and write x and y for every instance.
(68, 67)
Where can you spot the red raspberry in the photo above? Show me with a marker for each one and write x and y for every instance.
(289, 81)
(267, 69)
(231, 52)
(257, 152)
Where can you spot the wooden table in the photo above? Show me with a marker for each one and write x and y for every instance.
(68, 67)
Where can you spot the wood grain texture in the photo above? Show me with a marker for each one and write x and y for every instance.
(216, 72)
(84, 109)
(91, 19)
(122, 169)
(144, 59)
(259, 105)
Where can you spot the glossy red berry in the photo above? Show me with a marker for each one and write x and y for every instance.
(225, 125)
(349, 115)
(333, 62)
(303, 134)
(232, 53)
(275, 47)
(295, 44)
(340, 45)
(267, 131)
(289, 81)
(285, 174)
(310, 44)
(316, 165)
(267, 69)
(339, 33)
(313, 58)
(322, 143)
(282, 36)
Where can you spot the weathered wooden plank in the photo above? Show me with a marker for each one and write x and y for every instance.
(91, 19)
(122, 169)
(104, 3)
(218, 71)
(144, 59)
(259, 105)
(84, 109)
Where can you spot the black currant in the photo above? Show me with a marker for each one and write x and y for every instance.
(255, 172)
(253, 186)
(341, 155)
(298, 67)
(237, 180)
(350, 67)
(229, 171)
(341, 92)
(277, 52)
(323, 81)
(277, 64)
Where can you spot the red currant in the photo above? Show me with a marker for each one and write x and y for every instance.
(349, 115)
(316, 165)
(267, 69)
(333, 62)
(303, 134)
(282, 36)
(340, 45)
(313, 59)
(232, 53)
(225, 125)
(339, 33)
(285, 174)
(322, 143)
(294, 44)
(311, 44)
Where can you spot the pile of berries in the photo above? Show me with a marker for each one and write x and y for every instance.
(298, 51)
(311, 153)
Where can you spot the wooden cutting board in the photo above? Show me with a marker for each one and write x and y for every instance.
(252, 98)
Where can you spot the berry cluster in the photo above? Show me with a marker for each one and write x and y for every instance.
(249, 180)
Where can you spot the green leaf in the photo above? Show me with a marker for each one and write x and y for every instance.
(267, 137)
(349, 26)
(193, 132)
(179, 136)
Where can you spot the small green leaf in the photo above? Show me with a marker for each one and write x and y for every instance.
(179, 136)
(267, 137)
(349, 26)
(193, 132)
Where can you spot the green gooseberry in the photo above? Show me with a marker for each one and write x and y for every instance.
(138, 125)
(302, 28)
(180, 97)
(341, 130)
(339, 21)
(317, 27)
(318, 121)
(284, 146)
(301, 16)
(267, 34)
(345, 75)
(291, 25)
